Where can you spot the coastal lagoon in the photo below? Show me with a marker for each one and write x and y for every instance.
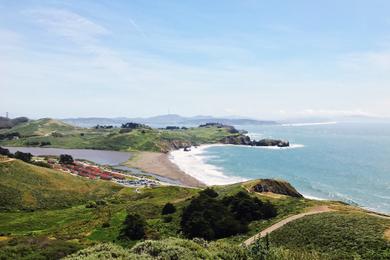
(102, 157)
(338, 161)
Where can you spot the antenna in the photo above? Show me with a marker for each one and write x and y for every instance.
(6, 114)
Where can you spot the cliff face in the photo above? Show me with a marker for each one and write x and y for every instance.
(275, 186)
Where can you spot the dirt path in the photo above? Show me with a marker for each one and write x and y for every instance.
(312, 211)
(7, 160)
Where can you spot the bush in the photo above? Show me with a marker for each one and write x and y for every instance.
(41, 164)
(66, 159)
(134, 227)
(26, 157)
(247, 209)
(4, 151)
(210, 192)
(209, 218)
(168, 208)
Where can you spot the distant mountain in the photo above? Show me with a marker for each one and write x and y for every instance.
(165, 120)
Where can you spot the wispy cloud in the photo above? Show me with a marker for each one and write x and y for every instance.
(67, 24)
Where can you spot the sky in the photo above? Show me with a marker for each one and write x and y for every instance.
(260, 59)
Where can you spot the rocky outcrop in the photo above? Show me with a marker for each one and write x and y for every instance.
(238, 140)
(275, 186)
(245, 140)
(271, 142)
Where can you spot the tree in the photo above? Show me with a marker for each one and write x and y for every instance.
(66, 159)
(4, 151)
(23, 156)
(247, 208)
(209, 218)
(134, 227)
(168, 208)
(209, 192)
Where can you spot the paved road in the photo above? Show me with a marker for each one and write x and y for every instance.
(312, 211)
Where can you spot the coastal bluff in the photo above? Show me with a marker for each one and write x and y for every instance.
(273, 186)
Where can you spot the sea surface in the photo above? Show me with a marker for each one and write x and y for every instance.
(339, 161)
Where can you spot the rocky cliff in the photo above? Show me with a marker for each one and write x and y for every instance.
(274, 186)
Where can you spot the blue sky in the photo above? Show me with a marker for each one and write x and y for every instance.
(263, 59)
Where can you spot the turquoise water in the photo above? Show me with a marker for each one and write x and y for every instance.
(344, 161)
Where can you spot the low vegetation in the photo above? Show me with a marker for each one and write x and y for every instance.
(338, 235)
(28, 187)
(48, 215)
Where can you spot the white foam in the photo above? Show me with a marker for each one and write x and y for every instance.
(311, 124)
(193, 163)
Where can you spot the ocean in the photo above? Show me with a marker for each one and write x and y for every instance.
(349, 162)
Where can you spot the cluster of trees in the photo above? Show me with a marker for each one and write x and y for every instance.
(10, 136)
(103, 127)
(211, 218)
(37, 143)
(66, 159)
(134, 126)
(18, 155)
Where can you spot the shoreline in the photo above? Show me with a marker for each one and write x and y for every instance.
(192, 163)
(160, 164)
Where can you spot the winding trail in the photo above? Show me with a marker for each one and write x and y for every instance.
(312, 211)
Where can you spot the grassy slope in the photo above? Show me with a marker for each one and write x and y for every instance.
(340, 235)
(25, 186)
(85, 224)
(110, 139)
(42, 127)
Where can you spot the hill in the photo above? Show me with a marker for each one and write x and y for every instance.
(60, 220)
(53, 133)
(28, 187)
(40, 127)
(9, 123)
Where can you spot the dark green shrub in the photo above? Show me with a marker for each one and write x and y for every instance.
(209, 192)
(26, 157)
(168, 208)
(133, 227)
(209, 218)
(66, 159)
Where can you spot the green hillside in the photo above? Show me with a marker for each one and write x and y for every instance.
(337, 235)
(40, 127)
(60, 220)
(25, 186)
(54, 133)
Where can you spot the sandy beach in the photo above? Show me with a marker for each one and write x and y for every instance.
(159, 164)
